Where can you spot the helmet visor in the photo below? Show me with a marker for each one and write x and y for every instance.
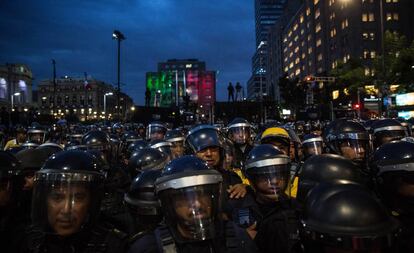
(66, 204)
(191, 212)
(36, 137)
(239, 135)
(270, 182)
(156, 132)
(355, 150)
(312, 148)
(388, 136)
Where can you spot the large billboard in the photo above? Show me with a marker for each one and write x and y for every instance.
(405, 99)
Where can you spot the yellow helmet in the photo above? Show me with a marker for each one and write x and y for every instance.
(277, 133)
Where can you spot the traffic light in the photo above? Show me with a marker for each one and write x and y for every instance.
(357, 106)
(309, 78)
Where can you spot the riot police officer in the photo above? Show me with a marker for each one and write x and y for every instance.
(156, 131)
(393, 167)
(143, 206)
(163, 146)
(146, 159)
(239, 132)
(36, 134)
(268, 170)
(326, 168)
(349, 139)
(176, 138)
(347, 218)
(312, 144)
(189, 193)
(387, 130)
(278, 137)
(205, 142)
(66, 202)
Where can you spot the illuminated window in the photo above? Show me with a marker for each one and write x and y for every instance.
(308, 11)
(333, 32)
(344, 23)
(310, 50)
(315, 2)
(317, 13)
(318, 42)
(295, 27)
(318, 28)
(301, 19)
(320, 57)
(368, 17)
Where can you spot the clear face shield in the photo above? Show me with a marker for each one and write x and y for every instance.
(37, 137)
(177, 149)
(65, 203)
(312, 148)
(270, 182)
(192, 211)
(354, 149)
(240, 135)
(155, 132)
(384, 137)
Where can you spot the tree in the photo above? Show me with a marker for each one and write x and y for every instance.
(293, 92)
(395, 67)
(350, 75)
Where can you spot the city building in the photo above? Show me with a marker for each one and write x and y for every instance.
(86, 99)
(275, 49)
(324, 33)
(179, 83)
(267, 12)
(15, 85)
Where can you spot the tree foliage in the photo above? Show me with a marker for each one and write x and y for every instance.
(292, 92)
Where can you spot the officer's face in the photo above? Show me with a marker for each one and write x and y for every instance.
(158, 135)
(352, 150)
(240, 135)
(211, 155)
(192, 207)
(269, 186)
(281, 146)
(5, 193)
(67, 209)
(177, 149)
(21, 137)
(28, 181)
(36, 138)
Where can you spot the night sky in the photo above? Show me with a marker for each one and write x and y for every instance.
(78, 35)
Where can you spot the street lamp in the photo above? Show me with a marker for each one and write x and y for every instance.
(106, 94)
(12, 100)
(262, 43)
(117, 35)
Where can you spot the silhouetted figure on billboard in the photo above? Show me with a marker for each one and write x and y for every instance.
(230, 90)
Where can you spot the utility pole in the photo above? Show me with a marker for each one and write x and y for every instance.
(85, 101)
(54, 86)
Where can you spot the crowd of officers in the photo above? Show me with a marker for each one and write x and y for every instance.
(334, 187)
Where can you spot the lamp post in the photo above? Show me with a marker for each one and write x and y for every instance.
(117, 35)
(380, 95)
(106, 94)
(12, 99)
(262, 43)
